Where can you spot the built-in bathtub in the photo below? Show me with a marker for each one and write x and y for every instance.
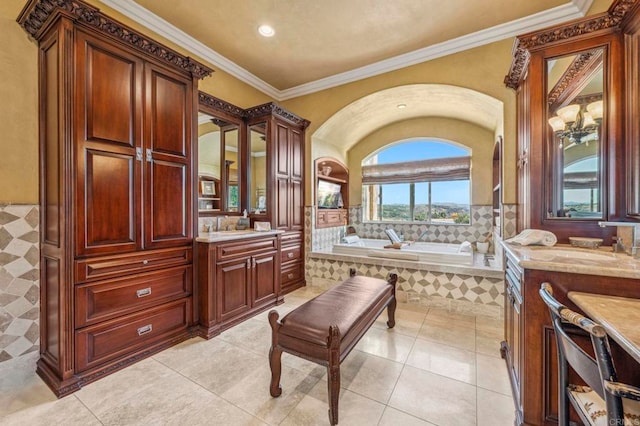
(437, 253)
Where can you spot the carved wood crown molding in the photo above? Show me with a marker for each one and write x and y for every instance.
(575, 78)
(38, 12)
(523, 45)
(219, 105)
(277, 110)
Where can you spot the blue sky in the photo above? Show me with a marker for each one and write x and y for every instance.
(452, 192)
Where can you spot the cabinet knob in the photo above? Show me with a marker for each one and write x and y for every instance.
(289, 255)
(145, 329)
(290, 276)
(144, 262)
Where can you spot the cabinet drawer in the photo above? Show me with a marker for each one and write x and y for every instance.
(245, 247)
(291, 238)
(115, 266)
(291, 273)
(124, 336)
(107, 299)
(291, 253)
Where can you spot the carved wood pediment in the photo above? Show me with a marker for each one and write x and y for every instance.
(37, 14)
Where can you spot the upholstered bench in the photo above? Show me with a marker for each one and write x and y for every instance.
(325, 329)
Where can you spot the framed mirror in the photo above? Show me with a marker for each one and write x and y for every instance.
(576, 102)
(258, 168)
(219, 156)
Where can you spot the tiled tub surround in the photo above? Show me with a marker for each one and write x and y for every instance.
(19, 280)
(477, 290)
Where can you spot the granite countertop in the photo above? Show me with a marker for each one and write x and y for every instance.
(618, 315)
(565, 258)
(220, 236)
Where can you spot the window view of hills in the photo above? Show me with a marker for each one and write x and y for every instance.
(440, 213)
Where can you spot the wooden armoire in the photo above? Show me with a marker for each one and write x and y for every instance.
(116, 192)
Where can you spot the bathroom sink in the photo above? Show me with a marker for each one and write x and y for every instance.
(549, 254)
(235, 232)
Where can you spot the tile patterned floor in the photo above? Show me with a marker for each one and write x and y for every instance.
(434, 368)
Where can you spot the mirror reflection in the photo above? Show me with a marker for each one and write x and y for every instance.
(258, 168)
(218, 165)
(575, 112)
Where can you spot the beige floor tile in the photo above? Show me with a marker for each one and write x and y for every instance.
(407, 322)
(20, 386)
(445, 317)
(67, 411)
(434, 398)
(307, 367)
(369, 375)
(495, 409)
(181, 355)
(492, 374)
(252, 335)
(488, 342)
(251, 393)
(353, 409)
(444, 360)
(489, 324)
(386, 343)
(393, 417)
(461, 337)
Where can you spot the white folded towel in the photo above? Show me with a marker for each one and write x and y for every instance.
(351, 239)
(465, 247)
(532, 237)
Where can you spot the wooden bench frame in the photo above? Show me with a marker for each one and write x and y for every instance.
(332, 357)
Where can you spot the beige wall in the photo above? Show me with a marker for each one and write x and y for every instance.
(476, 138)
(480, 69)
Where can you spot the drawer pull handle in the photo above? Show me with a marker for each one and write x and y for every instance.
(143, 292)
(144, 262)
(144, 330)
(289, 255)
(290, 276)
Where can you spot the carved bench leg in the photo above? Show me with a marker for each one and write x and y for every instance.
(333, 373)
(391, 308)
(275, 354)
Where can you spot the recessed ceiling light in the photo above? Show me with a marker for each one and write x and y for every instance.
(401, 106)
(266, 30)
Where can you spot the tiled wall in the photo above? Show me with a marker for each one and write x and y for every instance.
(19, 280)
(509, 216)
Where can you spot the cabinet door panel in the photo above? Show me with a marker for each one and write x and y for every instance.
(109, 96)
(297, 154)
(282, 149)
(168, 219)
(265, 278)
(233, 281)
(108, 214)
(297, 205)
(168, 112)
(282, 203)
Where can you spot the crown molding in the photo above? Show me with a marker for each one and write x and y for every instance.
(574, 9)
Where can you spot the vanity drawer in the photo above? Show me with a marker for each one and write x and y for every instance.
(291, 274)
(291, 238)
(110, 340)
(249, 246)
(115, 266)
(290, 253)
(108, 299)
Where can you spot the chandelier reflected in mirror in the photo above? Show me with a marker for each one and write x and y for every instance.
(576, 123)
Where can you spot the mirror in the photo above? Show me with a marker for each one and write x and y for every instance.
(209, 174)
(258, 168)
(218, 164)
(575, 99)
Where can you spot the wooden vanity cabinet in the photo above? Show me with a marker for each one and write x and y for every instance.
(285, 138)
(530, 346)
(116, 184)
(236, 280)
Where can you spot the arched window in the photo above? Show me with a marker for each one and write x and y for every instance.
(426, 181)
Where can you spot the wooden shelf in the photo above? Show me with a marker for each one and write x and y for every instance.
(209, 198)
(332, 179)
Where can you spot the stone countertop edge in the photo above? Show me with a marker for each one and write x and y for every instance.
(220, 236)
(619, 265)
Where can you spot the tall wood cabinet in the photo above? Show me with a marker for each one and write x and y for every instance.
(285, 173)
(116, 192)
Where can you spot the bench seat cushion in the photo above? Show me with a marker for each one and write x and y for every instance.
(352, 306)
